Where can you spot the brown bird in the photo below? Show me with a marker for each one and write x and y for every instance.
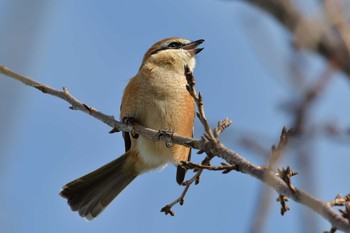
(156, 98)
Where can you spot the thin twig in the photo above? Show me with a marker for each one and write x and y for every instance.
(340, 201)
(199, 102)
(260, 215)
(180, 200)
(222, 125)
(285, 174)
(225, 168)
(276, 152)
(209, 137)
(168, 208)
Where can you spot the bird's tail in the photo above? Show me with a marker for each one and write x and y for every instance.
(90, 194)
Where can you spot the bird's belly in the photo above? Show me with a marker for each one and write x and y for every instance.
(161, 115)
(153, 154)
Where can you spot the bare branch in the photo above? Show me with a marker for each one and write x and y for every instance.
(276, 152)
(199, 101)
(195, 179)
(168, 208)
(215, 149)
(343, 202)
(340, 201)
(320, 39)
(222, 125)
(65, 95)
(225, 168)
(285, 174)
(284, 207)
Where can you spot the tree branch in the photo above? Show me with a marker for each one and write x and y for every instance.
(215, 149)
(195, 179)
(308, 33)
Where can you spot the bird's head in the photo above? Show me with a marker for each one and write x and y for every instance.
(175, 52)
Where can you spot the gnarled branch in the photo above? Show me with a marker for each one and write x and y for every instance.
(215, 149)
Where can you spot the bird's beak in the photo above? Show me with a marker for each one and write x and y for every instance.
(192, 47)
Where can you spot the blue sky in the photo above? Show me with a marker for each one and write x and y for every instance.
(94, 48)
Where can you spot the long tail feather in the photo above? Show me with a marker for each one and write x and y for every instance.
(90, 194)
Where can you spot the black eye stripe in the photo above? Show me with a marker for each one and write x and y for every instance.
(171, 45)
(174, 44)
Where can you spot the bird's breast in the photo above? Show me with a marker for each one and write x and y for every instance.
(167, 106)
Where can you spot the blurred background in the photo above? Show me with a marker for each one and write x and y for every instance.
(250, 71)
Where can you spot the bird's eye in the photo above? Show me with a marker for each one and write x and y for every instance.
(174, 45)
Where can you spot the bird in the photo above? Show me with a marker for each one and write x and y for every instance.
(156, 97)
